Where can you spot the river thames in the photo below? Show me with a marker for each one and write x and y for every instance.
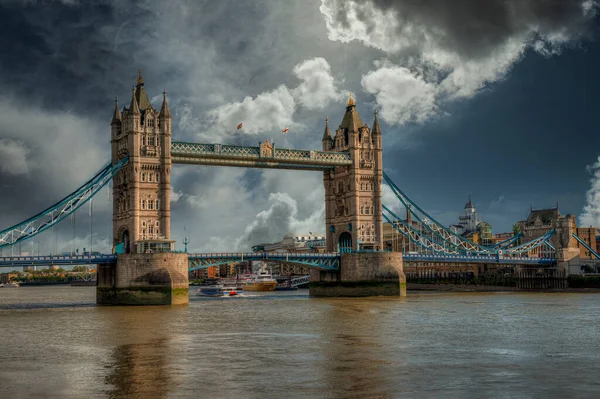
(56, 343)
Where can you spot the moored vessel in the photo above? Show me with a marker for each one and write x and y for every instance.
(263, 281)
(10, 285)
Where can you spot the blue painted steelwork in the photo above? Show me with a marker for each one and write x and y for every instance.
(295, 282)
(452, 239)
(50, 260)
(328, 261)
(506, 243)
(477, 259)
(575, 236)
(274, 158)
(57, 212)
(432, 225)
(417, 237)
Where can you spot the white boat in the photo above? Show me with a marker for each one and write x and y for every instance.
(10, 285)
(262, 281)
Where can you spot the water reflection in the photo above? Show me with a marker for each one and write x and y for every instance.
(139, 367)
(354, 362)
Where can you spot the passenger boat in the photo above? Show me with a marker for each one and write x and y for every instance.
(263, 281)
(210, 290)
(10, 285)
(224, 288)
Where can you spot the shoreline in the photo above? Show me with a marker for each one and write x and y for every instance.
(489, 288)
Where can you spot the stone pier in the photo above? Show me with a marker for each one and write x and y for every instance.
(144, 279)
(361, 274)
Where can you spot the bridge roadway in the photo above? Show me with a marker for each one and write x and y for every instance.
(327, 261)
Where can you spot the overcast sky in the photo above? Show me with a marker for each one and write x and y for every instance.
(495, 99)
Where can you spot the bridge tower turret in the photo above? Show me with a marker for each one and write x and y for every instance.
(141, 190)
(147, 272)
(353, 211)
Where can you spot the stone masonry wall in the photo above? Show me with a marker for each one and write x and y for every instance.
(145, 279)
(362, 274)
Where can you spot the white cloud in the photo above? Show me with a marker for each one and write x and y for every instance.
(435, 58)
(318, 87)
(590, 216)
(280, 218)
(267, 112)
(13, 157)
(274, 110)
(403, 95)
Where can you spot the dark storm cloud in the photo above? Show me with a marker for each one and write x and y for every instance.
(473, 28)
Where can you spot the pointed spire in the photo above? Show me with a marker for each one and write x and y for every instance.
(376, 129)
(164, 110)
(351, 101)
(133, 107)
(117, 114)
(327, 132)
(140, 80)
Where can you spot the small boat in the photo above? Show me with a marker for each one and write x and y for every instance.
(210, 290)
(230, 288)
(10, 285)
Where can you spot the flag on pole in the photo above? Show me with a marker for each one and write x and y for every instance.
(239, 126)
(284, 131)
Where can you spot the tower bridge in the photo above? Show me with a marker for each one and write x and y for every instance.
(145, 269)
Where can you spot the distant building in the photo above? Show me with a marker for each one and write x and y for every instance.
(472, 228)
(589, 236)
(294, 243)
(542, 221)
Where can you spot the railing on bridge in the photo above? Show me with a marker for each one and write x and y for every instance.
(512, 260)
(50, 260)
(327, 261)
(274, 158)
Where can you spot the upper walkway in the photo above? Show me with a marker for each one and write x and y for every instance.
(263, 156)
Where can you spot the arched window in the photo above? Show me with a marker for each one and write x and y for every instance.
(157, 203)
(150, 204)
(143, 176)
(371, 210)
(150, 228)
(362, 186)
(143, 204)
(157, 177)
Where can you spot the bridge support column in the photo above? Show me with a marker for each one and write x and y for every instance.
(362, 274)
(144, 279)
(564, 256)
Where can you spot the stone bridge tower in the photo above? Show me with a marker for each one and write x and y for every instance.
(146, 271)
(141, 190)
(353, 212)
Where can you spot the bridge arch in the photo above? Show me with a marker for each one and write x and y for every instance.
(345, 242)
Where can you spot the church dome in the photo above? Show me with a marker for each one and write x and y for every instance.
(469, 204)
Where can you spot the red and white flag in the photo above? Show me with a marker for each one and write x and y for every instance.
(284, 131)
(239, 126)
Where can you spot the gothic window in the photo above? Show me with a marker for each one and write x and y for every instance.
(143, 176)
(151, 122)
(371, 210)
(150, 204)
(362, 186)
(150, 177)
(150, 228)
(157, 177)
(157, 205)
(143, 204)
